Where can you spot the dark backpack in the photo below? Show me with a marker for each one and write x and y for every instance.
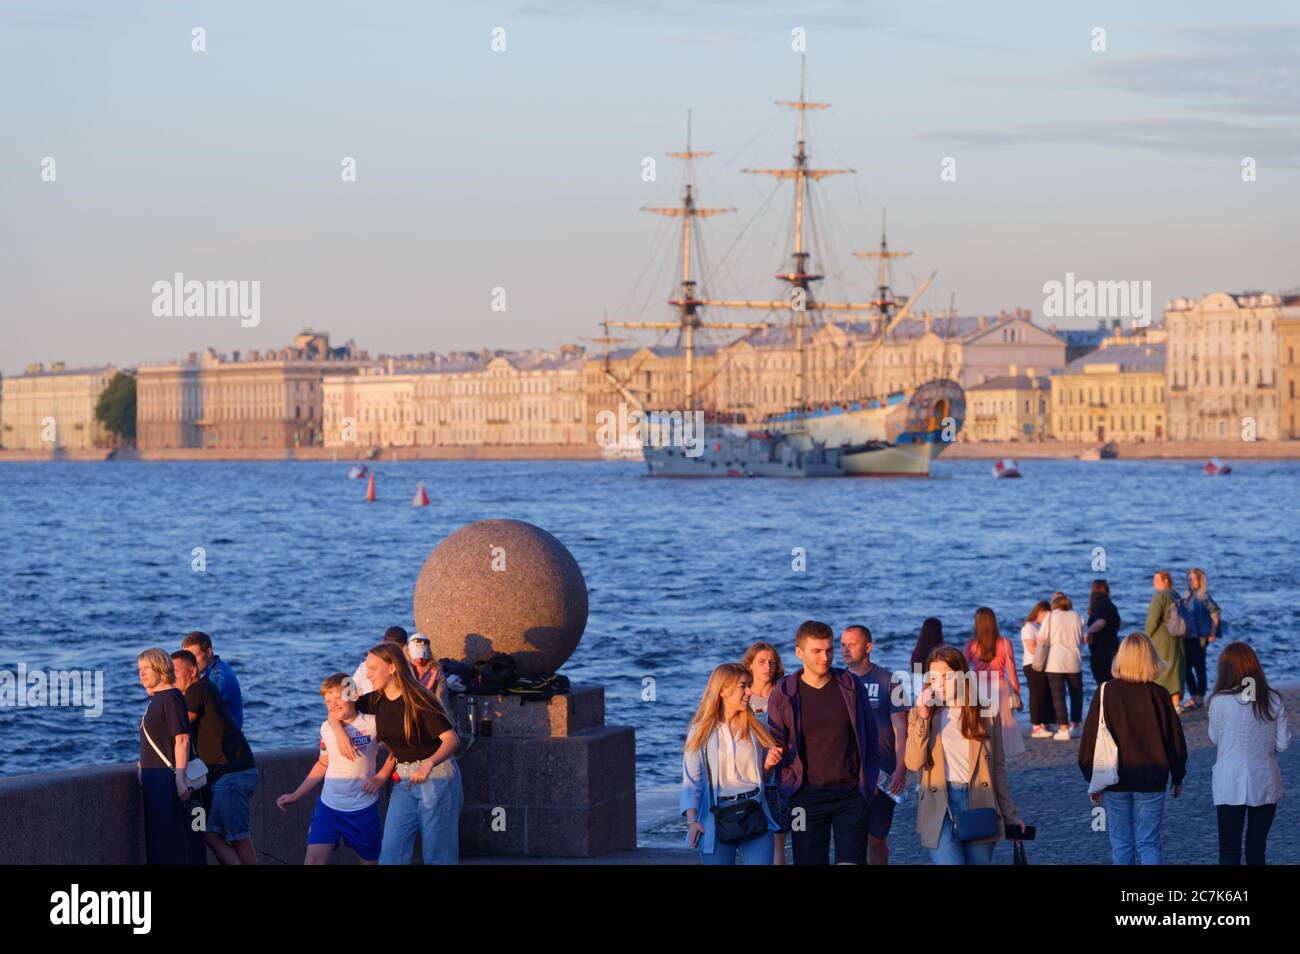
(496, 674)
(540, 689)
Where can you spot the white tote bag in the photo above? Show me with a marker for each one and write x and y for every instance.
(1105, 754)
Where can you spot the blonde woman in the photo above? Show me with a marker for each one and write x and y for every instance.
(169, 838)
(724, 770)
(958, 751)
(1202, 629)
(1149, 738)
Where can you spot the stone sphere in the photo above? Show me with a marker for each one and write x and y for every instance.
(502, 586)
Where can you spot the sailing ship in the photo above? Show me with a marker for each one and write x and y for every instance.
(897, 434)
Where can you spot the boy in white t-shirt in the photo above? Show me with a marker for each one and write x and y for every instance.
(348, 807)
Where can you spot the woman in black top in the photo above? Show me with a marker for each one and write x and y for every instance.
(169, 836)
(1151, 750)
(412, 724)
(1103, 631)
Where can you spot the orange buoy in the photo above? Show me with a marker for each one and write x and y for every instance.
(421, 499)
(370, 487)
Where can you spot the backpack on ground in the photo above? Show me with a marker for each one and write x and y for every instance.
(538, 690)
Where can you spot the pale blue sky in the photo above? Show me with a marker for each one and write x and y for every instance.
(521, 169)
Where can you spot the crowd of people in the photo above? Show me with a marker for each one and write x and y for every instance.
(393, 712)
(820, 756)
(808, 760)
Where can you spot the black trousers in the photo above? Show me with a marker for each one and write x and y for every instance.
(1194, 655)
(1256, 819)
(1041, 710)
(1058, 681)
(845, 814)
(1099, 661)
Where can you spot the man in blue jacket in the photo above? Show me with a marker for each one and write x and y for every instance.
(822, 723)
(216, 671)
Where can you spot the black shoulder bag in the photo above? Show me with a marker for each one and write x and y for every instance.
(737, 821)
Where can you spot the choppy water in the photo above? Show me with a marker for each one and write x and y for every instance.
(302, 575)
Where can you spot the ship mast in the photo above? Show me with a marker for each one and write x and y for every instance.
(687, 303)
(885, 301)
(800, 300)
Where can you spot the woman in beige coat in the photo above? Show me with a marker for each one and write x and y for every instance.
(958, 751)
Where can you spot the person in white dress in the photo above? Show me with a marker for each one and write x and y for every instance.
(1248, 724)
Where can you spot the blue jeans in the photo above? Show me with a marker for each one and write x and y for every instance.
(1133, 824)
(950, 850)
(230, 812)
(758, 850)
(433, 809)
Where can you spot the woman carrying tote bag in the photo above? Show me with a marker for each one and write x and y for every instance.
(1150, 750)
(965, 807)
(724, 766)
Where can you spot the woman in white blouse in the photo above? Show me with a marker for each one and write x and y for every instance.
(728, 753)
(1062, 631)
(1248, 724)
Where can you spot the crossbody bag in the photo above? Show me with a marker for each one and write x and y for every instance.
(737, 821)
(196, 772)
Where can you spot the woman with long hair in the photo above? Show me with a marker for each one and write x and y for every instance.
(1151, 749)
(1041, 712)
(723, 771)
(1203, 629)
(1248, 724)
(991, 652)
(1062, 630)
(1103, 631)
(764, 665)
(930, 639)
(416, 729)
(958, 752)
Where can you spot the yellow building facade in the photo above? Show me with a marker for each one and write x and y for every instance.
(1288, 351)
(1014, 407)
(54, 408)
(520, 399)
(1116, 393)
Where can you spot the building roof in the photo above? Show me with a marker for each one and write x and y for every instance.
(65, 372)
(1130, 357)
(1018, 382)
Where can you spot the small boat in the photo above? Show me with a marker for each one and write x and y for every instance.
(1109, 451)
(1091, 453)
(357, 472)
(421, 499)
(1006, 468)
(1214, 467)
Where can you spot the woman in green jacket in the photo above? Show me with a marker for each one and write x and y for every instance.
(1169, 647)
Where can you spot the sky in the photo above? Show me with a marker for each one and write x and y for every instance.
(523, 169)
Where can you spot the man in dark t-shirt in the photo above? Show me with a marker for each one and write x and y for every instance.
(825, 734)
(232, 773)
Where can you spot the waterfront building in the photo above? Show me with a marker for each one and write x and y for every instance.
(1010, 407)
(1288, 352)
(1116, 393)
(252, 401)
(1224, 364)
(495, 399)
(53, 408)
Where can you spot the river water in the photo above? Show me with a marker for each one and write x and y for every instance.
(302, 574)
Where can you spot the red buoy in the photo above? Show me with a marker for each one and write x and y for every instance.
(421, 499)
(370, 487)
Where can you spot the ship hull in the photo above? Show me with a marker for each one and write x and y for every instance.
(892, 460)
(726, 452)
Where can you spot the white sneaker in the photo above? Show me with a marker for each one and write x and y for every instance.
(1062, 734)
(1040, 733)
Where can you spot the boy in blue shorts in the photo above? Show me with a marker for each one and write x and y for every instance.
(349, 800)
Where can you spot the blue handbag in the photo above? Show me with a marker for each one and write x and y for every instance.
(976, 824)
